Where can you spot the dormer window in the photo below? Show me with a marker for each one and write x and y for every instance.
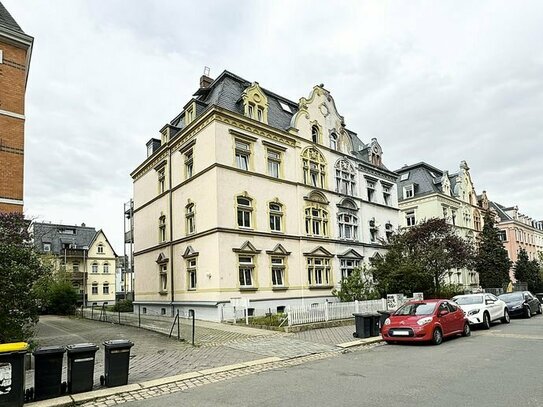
(255, 103)
(189, 115)
(315, 134)
(409, 191)
(333, 141)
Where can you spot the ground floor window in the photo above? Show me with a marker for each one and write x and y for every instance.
(318, 271)
(246, 267)
(278, 271)
(191, 270)
(348, 266)
(163, 275)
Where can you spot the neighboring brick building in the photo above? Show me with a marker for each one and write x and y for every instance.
(15, 51)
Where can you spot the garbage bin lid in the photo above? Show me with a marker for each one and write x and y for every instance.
(81, 347)
(14, 347)
(48, 350)
(118, 343)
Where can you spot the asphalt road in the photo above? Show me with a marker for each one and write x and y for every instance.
(499, 367)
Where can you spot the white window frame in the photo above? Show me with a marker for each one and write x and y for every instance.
(189, 164)
(190, 217)
(192, 266)
(162, 228)
(246, 211)
(105, 268)
(94, 268)
(161, 180)
(348, 266)
(243, 154)
(316, 221)
(370, 190)
(278, 271)
(276, 216)
(163, 277)
(246, 268)
(411, 218)
(348, 225)
(274, 163)
(409, 191)
(318, 271)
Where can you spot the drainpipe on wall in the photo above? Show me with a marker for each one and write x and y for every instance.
(171, 224)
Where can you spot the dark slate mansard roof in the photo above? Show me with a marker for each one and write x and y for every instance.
(226, 91)
(50, 233)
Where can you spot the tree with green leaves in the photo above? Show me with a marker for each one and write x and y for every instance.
(527, 271)
(492, 262)
(357, 286)
(419, 258)
(20, 269)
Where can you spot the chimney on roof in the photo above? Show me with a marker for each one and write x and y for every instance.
(83, 225)
(205, 80)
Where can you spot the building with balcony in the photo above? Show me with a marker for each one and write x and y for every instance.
(518, 231)
(85, 254)
(426, 192)
(249, 195)
(15, 51)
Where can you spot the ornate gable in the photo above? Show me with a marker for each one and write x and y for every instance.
(255, 103)
(319, 110)
(161, 259)
(375, 153)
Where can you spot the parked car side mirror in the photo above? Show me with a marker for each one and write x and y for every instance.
(488, 302)
(442, 312)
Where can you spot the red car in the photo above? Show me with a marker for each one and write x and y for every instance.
(429, 320)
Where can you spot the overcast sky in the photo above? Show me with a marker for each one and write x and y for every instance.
(433, 81)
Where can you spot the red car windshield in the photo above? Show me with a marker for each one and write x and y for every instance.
(417, 308)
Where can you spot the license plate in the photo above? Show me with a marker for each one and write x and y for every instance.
(401, 333)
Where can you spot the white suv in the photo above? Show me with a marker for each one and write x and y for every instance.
(483, 308)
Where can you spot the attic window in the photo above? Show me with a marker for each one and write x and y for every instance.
(405, 176)
(285, 107)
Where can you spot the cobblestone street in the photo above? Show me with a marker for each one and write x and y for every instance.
(154, 355)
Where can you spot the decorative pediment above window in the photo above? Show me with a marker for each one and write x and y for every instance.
(278, 250)
(319, 251)
(190, 252)
(161, 259)
(375, 257)
(344, 165)
(318, 197)
(351, 254)
(247, 248)
(348, 204)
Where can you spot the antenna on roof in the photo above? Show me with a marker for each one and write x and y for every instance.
(206, 70)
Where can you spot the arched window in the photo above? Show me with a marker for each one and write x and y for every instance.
(244, 209)
(105, 288)
(95, 267)
(276, 217)
(314, 167)
(345, 177)
(348, 226)
(477, 221)
(315, 134)
(333, 141)
(106, 268)
(94, 288)
(316, 221)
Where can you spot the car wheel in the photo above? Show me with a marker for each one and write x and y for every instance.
(539, 309)
(486, 321)
(528, 312)
(467, 330)
(506, 318)
(437, 337)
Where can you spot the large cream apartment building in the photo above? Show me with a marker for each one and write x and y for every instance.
(249, 195)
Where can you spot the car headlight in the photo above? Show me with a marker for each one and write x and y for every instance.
(517, 306)
(387, 321)
(424, 321)
(474, 311)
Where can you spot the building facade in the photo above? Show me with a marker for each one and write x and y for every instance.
(518, 231)
(248, 195)
(15, 51)
(427, 192)
(85, 254)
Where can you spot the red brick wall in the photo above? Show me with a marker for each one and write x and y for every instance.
(12, 99)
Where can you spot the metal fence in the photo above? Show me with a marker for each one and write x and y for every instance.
(178, 326)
